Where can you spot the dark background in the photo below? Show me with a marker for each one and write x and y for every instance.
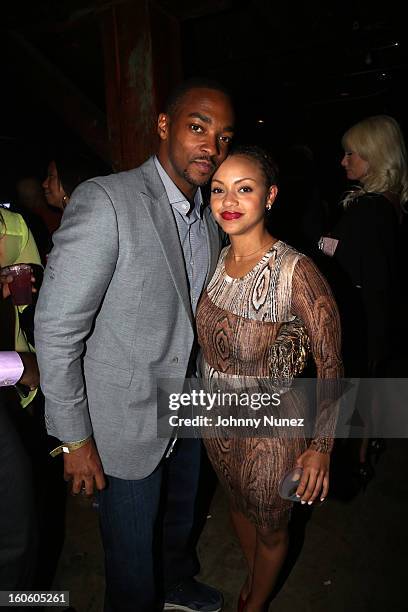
(306, 70)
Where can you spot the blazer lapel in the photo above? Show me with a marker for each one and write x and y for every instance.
(160, 212)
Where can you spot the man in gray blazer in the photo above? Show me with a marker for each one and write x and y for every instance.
(115, 313)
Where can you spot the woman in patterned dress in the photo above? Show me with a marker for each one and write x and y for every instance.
(260, 287)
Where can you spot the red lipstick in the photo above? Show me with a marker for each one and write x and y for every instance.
(229, 216)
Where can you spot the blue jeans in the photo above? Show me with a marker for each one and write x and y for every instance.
(147, 531)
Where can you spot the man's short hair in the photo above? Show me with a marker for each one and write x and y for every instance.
(177, 94)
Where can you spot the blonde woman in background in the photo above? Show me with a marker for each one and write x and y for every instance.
(364, 247)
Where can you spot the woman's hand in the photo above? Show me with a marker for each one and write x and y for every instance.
(5, 280)
(314, 482)
(328, 245)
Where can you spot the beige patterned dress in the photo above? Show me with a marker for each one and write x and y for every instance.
(239, 321)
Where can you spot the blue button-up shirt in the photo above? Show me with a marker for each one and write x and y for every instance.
(192, 233)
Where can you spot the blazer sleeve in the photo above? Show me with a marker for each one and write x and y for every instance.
(77, 275)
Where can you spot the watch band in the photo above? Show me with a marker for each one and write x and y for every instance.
(69, 447)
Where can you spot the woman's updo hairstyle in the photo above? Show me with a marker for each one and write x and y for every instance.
(260, 157)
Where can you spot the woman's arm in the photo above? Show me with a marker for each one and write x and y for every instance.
(313, 301)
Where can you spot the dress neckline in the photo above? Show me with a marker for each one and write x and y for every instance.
(236, 279)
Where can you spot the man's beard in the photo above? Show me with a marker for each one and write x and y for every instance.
(197, 182)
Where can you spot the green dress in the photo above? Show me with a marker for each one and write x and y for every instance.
(17, 245)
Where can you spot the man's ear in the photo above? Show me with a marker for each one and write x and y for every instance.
(163, 123)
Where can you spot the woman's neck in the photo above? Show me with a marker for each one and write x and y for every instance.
(247, 246)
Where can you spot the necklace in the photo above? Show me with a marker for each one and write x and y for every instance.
(267, 244)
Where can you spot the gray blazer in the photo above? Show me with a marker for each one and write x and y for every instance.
(114, 315)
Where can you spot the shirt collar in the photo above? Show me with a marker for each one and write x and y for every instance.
(176, 198)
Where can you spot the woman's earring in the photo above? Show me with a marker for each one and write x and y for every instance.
(65, 200)
(268, 206)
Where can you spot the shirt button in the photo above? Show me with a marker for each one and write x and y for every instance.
(185, 207)
(174, 360)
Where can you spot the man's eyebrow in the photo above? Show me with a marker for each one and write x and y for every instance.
(205, 119)
(200, 116)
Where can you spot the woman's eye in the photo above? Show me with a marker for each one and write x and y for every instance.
(216, 190)
(245, 189)
(196, 128)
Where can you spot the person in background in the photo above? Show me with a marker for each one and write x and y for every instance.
(364, 249)
(116, 312)
(31, 198)
(64, 173)
(40, 218)
(18, 524)
(17, 245)
(26, 406)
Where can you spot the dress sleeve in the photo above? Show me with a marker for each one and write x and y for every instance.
(29, 252)
(17, 241)
(313, 302)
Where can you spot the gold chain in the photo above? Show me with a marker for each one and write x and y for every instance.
(267, 244)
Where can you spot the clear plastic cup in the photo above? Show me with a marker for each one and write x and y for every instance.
(21, 287)
(289, 484)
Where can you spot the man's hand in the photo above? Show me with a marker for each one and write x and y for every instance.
(5, 280)
(315, 476)
(31, 375)
(83, 467)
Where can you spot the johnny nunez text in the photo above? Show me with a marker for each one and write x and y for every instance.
(231, 421)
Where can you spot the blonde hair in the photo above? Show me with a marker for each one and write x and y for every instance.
(378, 140)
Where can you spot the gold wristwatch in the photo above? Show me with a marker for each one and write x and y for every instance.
(69, 447)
